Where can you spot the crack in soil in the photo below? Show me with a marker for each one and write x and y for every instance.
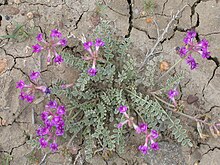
(42, 4)
(180, 29)
(79, 19)
(130, 19)
(193, 9)
(4, 3)
(121, 157)
(126, 15)
(209, 34)
(211, 149)
(145, 31)
(215, 106)
(217, 63)
(181, 88)
(164, 6)
(197, 22)
(16, 147)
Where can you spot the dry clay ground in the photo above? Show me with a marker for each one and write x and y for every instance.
(129, 16)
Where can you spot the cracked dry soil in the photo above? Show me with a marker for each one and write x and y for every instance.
(132, 20)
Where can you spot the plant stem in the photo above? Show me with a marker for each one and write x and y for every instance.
(188, 116)
(76, 115)
(163, 101)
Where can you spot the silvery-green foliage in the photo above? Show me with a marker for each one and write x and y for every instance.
(147, 76)
(172, 81)
(97, 98)
(155, 116)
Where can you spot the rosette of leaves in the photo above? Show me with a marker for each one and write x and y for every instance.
(95, 100)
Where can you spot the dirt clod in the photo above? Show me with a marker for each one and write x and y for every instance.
(192, 99)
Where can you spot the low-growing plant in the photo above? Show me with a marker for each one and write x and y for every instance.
(109, 98)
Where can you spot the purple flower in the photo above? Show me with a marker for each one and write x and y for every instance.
(99, 43)
(142, 127)
(191, 61)
(189, 37)
(87, 45)
(40, 37)
(53, 147)
(61, 110)
(43, 142)
(191, 34)
(55, 33)
(155, 146)
(122, 109)
(60, 131)
(37, 48)
(183, 51)
(43, 131)
(204, 43)
(137, 129)
(172, 93)
(44, 115)
(143, 149)
(47, 91)
(30, 98)
(52, 104)
(20, 84)
(186, 40)
(92, 71)
(53, 125)
(34, 75)
(205, 54)
(48, 123)
(57, 120)
(58, 59)
(22, 96)
(38, 132)
(119, 125)
(63, 42)
(154, 134)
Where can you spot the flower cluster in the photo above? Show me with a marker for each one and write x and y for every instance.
(27, 91)
(190, 47)
(55, 40)
(141, 128)
(53, 125)
(93, 54)
(171, 94)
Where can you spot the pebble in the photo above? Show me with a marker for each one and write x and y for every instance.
(30, 15)
(191, 99)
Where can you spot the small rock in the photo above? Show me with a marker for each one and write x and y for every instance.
(191, 99)
(30, 15)
(3, 64)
